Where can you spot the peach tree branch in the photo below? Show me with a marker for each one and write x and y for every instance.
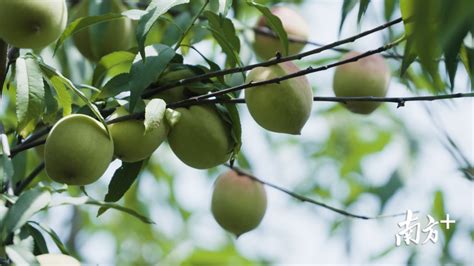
(304, 72)
(309, 200)
(33, 141)
(3, 63)
(400, 101)
(279, 59)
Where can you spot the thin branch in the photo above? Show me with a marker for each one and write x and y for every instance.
(309, 200)
(24, 183)
(3, 63)
(278, 59)
(400, 101)
(304, 72)
(195, 18)
(268, 32)
(25, 147)
(37, 135)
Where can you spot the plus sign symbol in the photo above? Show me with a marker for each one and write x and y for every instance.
(447, 222)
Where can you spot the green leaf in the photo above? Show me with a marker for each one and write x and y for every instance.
(386, 191)
(19, 167)
(53, 236)
(122, 180)
(29, 203)
(390, 6)
(230, 114)
(223, 31)
(20, 256)
(439, 212)
(115, 86)
(40, 243)
(154, 10)
(29, 91)
(154, 114)
(409, 56)
(177, 28)
(274, 23)
(347, 7)
(63, 97)
(82, 23)
(145, 73)
(52, 74)
(6, 165)
(112, 65)
(363, 4)
(220, 6)
(467, 57)
(78, 201)
(51, 104)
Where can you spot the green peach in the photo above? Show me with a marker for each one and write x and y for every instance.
(31, 23)
(238, 202)
(78, 150)
(279, 107)
(295, 26)
(201, 138)
(116, 35)
(131, 142)
(369, 76)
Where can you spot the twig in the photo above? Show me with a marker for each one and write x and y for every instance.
(400, 101)
(191, 25)
(27, 146)
(3, 63)
(304, 72)
(306, 199)
(268, 32)
(153, 91)
(23, 184)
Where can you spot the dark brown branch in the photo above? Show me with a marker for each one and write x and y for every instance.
(309, 200)
(25, 182)
(268, 32)
(400, 101)
(152, 91)
(25, 147)
(3, 63)
(304, 72)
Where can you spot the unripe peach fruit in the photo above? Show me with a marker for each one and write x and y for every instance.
(78, 150)
(238, 202)
(295, 26)
(280, 107)
(32, 23)
(131, 142)
(201, 138)
(369, 76)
